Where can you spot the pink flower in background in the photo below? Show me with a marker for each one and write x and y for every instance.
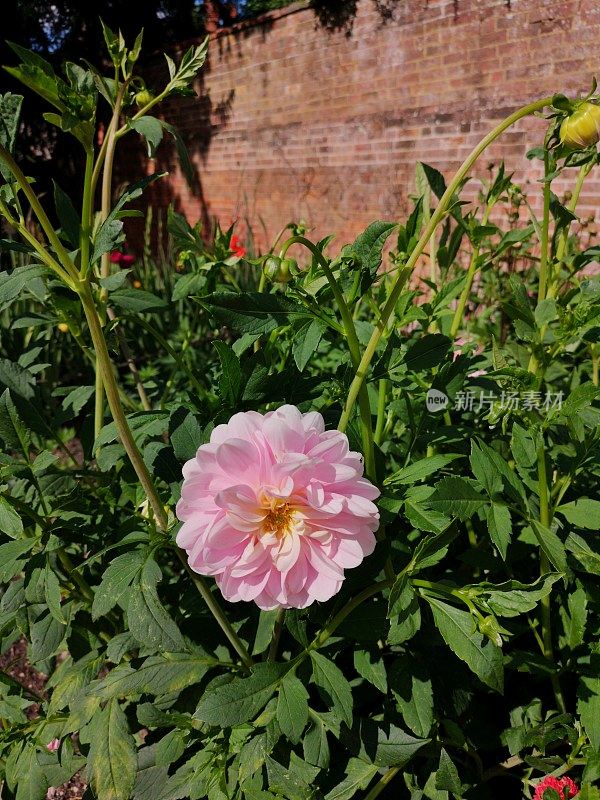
(123, 259)
(53, 745)
(275, 508)
(565, 787)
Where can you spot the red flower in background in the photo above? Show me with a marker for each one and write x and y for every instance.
(123, 259)
(565, 787)
(236, 247)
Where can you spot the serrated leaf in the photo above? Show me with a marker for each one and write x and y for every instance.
(456, 497)
(359, 775)
(331, 680)
(241, 699)
(148, 619)
(292, 708)
(117, 578)
(112, 763)
(458, 631)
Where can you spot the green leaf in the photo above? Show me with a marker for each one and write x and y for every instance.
(11, 560)
(370, 665)
(446, 777)
(152, 131)
(52, 594)
(112, 762)
(359, 775)
(584, 513)
(230, 382)
(110, 234)
(10, 521)
(14, 377)
(315, 745)
(67, 216)
(419, 470)
(427, 352)
(412, 690)
(10, 112)
(306, 340)
(148, 620)
(185, 433)
(252, 312)
(551, 545)
(241, 699)
(136, 300)
(500, 527)
(512, 598)
(117, 578)
(13, 283)
(46, 637)
(457, 497)
(459, 632)
(264, 631)
(292, 708)
(587, 557)
(367, 248)
(331, 680)
(588, 705)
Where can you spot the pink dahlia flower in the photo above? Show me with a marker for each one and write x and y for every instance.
(276, 508)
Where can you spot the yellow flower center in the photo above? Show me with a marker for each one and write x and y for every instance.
(278, 520)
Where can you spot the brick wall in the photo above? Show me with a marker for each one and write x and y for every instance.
(297, 119)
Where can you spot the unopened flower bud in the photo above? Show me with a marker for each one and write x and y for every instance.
(143, 98)
(581, 128)
(488, 626)
(63, 327)
(279, 270)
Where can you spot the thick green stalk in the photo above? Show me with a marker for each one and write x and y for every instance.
(86, 214)
(381, 410)
(277, 631)
(437, 216)
(112, 394)
(545, 610)
(544, 260)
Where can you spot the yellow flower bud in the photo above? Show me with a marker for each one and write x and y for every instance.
(137, 284)
(581, 128)
(63, 327)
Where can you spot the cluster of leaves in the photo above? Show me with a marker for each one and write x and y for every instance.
(461, 655)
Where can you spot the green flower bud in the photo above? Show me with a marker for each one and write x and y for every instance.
(488, 626)
(143, 98)
(581, 128)
(279, 270)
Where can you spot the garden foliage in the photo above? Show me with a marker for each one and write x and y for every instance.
(461, 658)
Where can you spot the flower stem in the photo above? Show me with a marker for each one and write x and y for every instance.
(437, 216)
(545, 611)
(38, 210)
(277, 631)
(104, 365)
(217, 611)
(382, 783)
(544, 261)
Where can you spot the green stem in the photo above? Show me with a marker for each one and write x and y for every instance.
(471, 272)
(381, 410)
(38, 210)
(437, 216)
(217, 611)
(544, 262)
(98, 402)
(277, 631)
(112, 394)
(337, 620)
(86, 214)
(71, 571)
(382, 783)
(545, 609)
